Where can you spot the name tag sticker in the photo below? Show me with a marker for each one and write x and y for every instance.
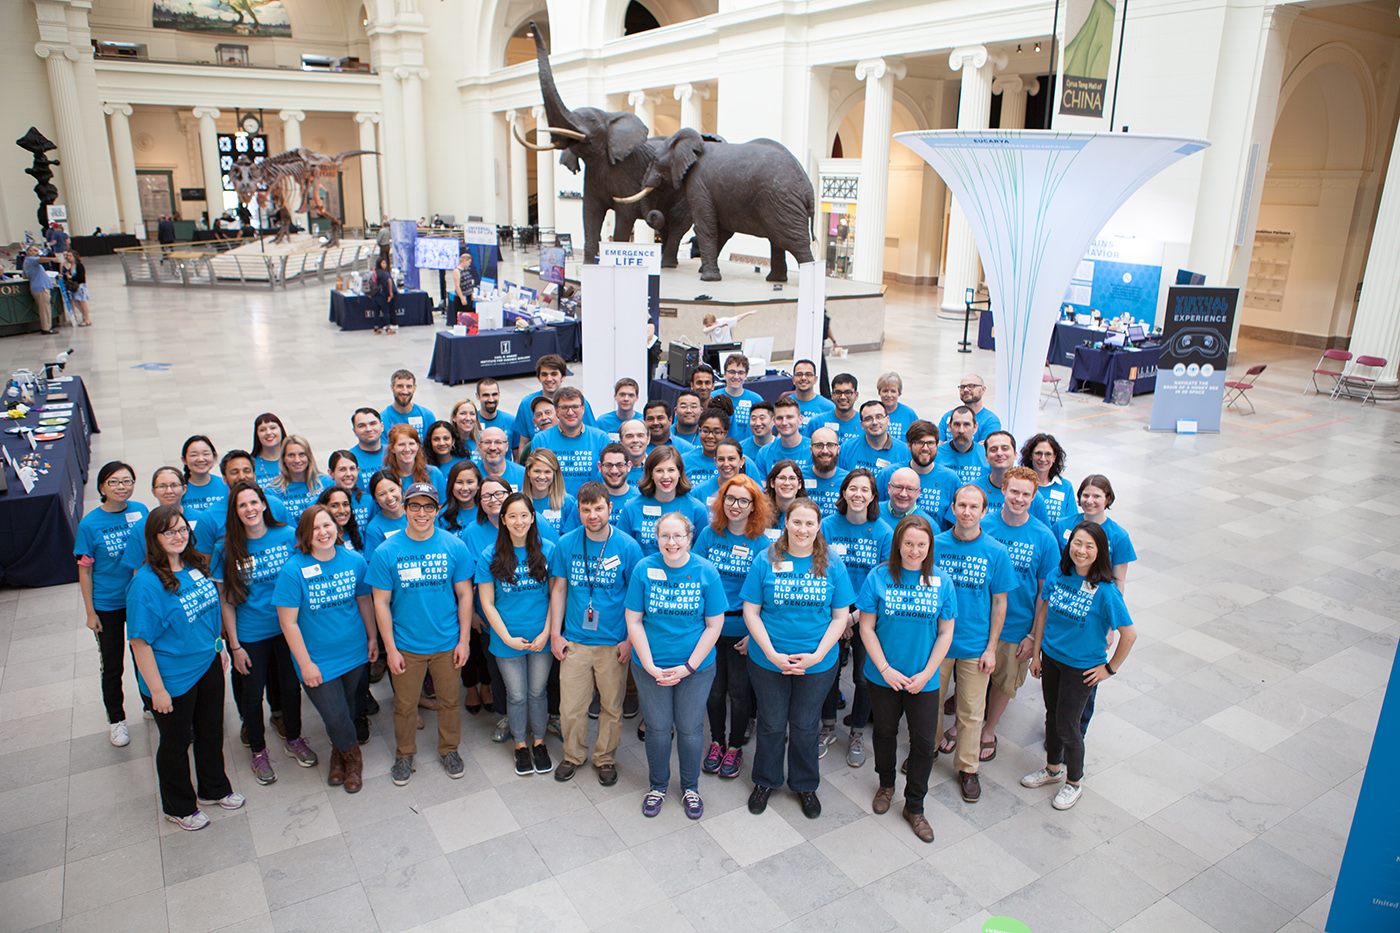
(809, 483)
(410, 573)
(655, 573)
(552, 514)
(772, 534)
(611, 563)
(391, 533)
(881, 462)
(838, 548)
(313, 571)
(740, 552)
(133, 517)
(195, 575)
(651, 510)
(1058, 495)
(193, 523)
(785, 566)
(1087, 587)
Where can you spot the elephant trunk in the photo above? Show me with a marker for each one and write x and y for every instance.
(633, 199)
(554, 108)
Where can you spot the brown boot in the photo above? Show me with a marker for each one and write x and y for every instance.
(336, 776)
(354, 770)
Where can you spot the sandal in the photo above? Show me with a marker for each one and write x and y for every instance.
(982, 755)
(950, 742)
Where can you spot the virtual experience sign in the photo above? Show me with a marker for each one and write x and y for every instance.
(1195, 351)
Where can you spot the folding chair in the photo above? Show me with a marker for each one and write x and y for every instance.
(1054, 383)
(1350, 385)
(1325, 367)
(1238, 391)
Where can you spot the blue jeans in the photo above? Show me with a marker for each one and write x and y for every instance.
(337, 700)
(526, 680)
(791, 704)
(681, 707)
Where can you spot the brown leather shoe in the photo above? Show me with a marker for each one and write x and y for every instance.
(920, 825)
(354, 770)
(427, 702)
(881, 803)
(336, 775)
(969, 785)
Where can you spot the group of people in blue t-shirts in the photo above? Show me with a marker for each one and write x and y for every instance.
(562, 569)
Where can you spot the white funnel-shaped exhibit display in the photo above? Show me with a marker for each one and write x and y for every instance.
(1035, 200)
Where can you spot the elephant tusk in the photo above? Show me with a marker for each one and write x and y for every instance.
(636, 197)
(560, 131)
(515, 127)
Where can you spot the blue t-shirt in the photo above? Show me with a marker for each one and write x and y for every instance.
(775, 452)
(418, 418)
(978, 569)
(751, 447)
(523, 427)
(578, 456)
(435, 476)
(611, 423)
(134, 555)
(996, 499)
(700, 468)
(796, 607)
(691, 437)
(639, 518)
(256, 615)
(420, 576)
(209, 525)
(325, 596)
(817, 409)
(845, 430)
(1059, 499)
(1079, 619)
(514, 473)
(826, 493)
(969, 466)
(936, 490)
(598, 574)
(857, 452)
(619, 500)
(732, 556)
(681, 444)
(266, 471)
(1120, 546)
(861, 547)
(674, 603)
(563, 519)
(466, 521)
(103, 536)
(380, 529)
(370, 462)
(203, 497)
(987, 422)
(891, 520)
(504, 419)
(182, 628)
(523, 605)
(743, 404)
(1034, 553)
(906, 619)
(363, 506)
(900, 419)
(298, 497)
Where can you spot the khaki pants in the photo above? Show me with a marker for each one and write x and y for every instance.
(41, 303)
(970, 709)
(583, 667)
(408, 686)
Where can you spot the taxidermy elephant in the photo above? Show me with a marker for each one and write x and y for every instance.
(757, 187)
(615, 153)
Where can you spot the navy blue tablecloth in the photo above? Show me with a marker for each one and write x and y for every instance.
(38, 529)
(356, 312)
(569, 331)
(770, 387)
(495, 353)
(1066, 338)
(1094, 368)
(102, 245)
(986, 340)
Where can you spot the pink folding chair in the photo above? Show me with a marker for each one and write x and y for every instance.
(1354, 385)
(1332, 364)
(1048, 378)
(1239, 391)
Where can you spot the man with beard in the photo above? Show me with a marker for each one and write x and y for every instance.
(960, 453)
(613, 467)
(489, 412)
(824, 484)
(971, 390)
(937, 484)
(876, 447)
(491, 451)
(657, 417)
(403, 411)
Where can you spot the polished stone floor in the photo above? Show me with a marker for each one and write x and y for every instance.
(1224, 762)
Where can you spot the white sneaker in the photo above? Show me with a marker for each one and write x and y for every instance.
(233, 801)
(1042, 777)
(1067, 796)
(195, 820)
(119, 735)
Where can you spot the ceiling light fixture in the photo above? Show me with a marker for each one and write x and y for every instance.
(1037, 46)
(1018, 50)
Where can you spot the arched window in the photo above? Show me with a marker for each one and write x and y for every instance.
(638, 19)
(521, 45)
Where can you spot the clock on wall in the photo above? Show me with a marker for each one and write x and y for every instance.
(250, 124)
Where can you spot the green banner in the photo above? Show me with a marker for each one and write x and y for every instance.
(1088, 51)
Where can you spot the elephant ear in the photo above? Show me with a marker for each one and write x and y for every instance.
(569, 160)
(626, 132)
(685, 147)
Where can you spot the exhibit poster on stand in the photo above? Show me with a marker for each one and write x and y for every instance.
(482, 244)
(646, 256)
(1119, 275)
(1195, 350)
(1087, 62)
(405, 251)
(552, 264)
(437, 252)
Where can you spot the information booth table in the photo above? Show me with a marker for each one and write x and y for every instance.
(357, 312)
(494, 353)
(1092, 368)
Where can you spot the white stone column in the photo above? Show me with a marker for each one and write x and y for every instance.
(72, 141)
(369, 168)
(519, 178)
(643, 105)
(291, 139)
(692, 98)
(1376, 330)
(1013, 90)
(209, 159)
(544, 174)
(879, 75)
(414, 140)
(128, 194)
(391, 144)
(978, 64)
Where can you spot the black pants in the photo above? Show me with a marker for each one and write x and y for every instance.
(383, 313)
(111, 647)
(921, 709)
(270, 653)
(475, 673)
(1065, 695)
(553, 688)
(197, 713)
(273, 691)
(730, 693)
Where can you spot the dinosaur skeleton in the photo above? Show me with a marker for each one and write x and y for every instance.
(281, 178)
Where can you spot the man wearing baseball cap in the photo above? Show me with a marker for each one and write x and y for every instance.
(423, 603)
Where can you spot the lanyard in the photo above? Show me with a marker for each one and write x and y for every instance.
(588, 567)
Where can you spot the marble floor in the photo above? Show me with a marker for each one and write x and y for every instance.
(1224, 761)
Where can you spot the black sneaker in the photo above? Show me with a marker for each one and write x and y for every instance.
(594, 709)
(523, 764)
(811, 806)
(630, 707)
(454, 765)
(373, 708)
(279, 727)
(243, 736)
(758, 800)
(748, 731)
(540, 754)
(840, 700)
(362, 730)
(565, 771)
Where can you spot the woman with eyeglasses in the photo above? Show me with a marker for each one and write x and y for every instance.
(863, 542)
(202, 487)
(300, 481)
(555, 508)
(1044, 454)
(468, 423)
(700, 465)
(268, 435)
(675, 613)
(797, 600)
(512, 577)
(404, 458)
(784, 486)
(102, 538)
(245, 568)
(445, 446)
(664, 489)
(173, 622)
(345, 473)
(731, 541)
(391, 517)
(168, 487)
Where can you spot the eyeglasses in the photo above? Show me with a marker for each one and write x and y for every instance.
(612, 467)
(568, 408)
(121, 483)
(826, 446)
(168, 487)
(902, 488)
(712, 431)
(176, 533)
(421, 507)
(843, 391)
(492, 496)
(924, 442)
(871, 419)
(971, 385)
(668, 539)
(735, 502)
